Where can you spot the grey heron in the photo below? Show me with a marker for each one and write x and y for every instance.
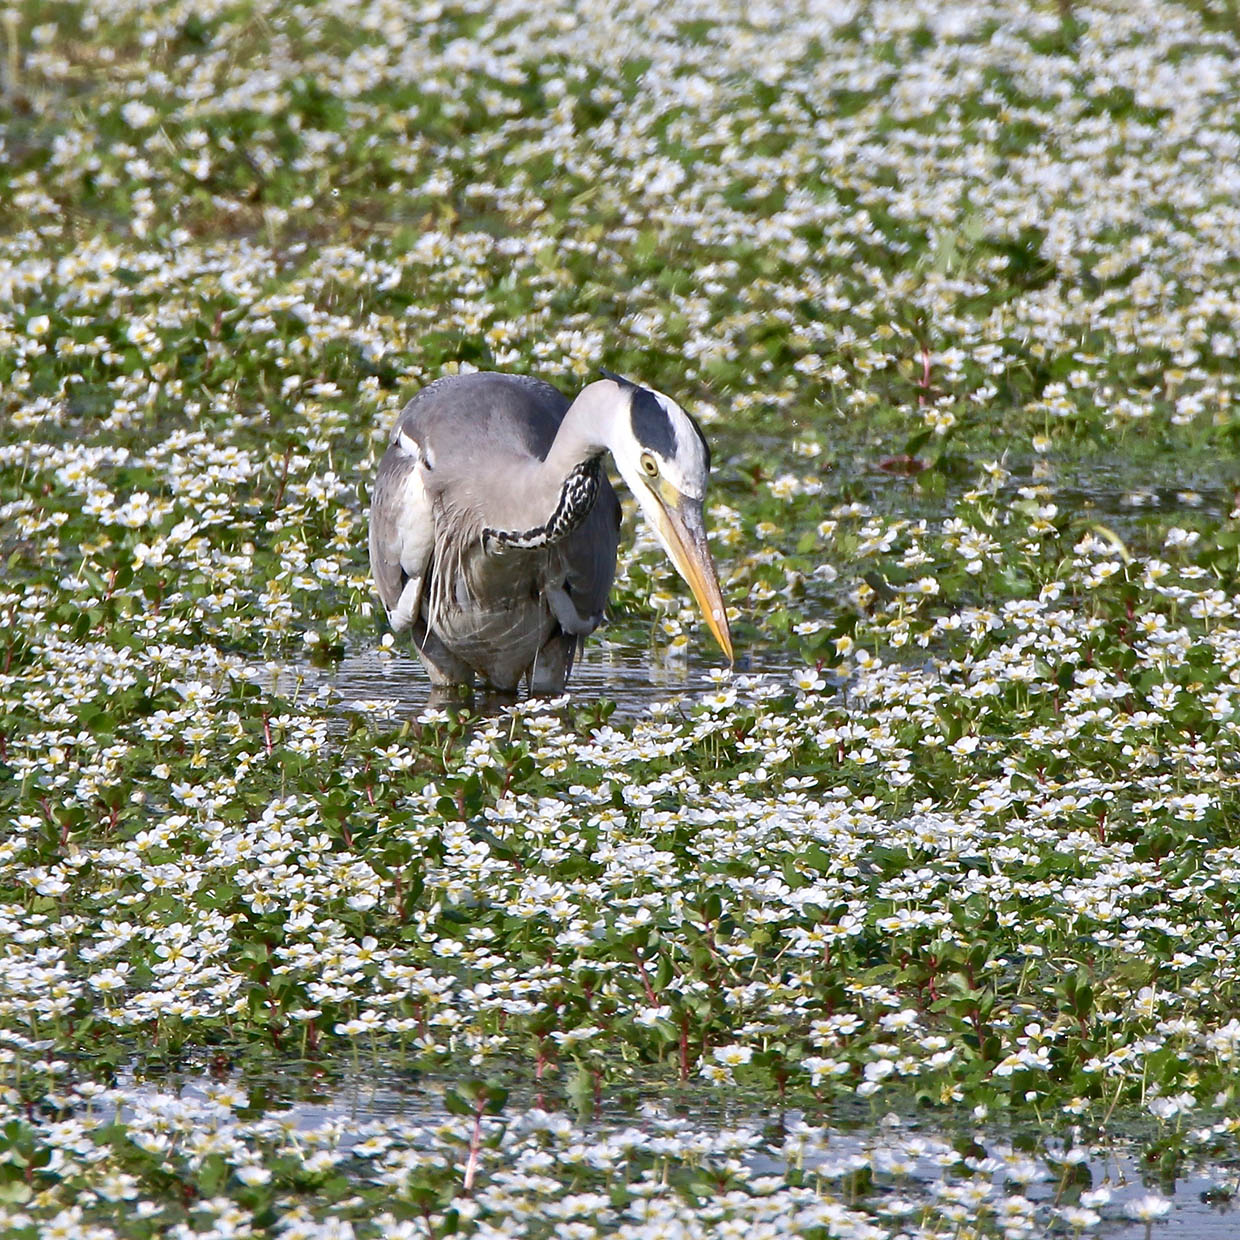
(494, 528)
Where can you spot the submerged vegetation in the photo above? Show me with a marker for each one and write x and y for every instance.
(916, 934)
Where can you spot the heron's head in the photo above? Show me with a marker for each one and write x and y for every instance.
(663, 456)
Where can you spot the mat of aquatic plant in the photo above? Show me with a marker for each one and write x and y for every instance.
(922, 922)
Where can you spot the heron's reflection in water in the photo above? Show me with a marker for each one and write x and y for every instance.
(632, 678)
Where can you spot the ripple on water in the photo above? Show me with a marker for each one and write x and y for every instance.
(632, 677)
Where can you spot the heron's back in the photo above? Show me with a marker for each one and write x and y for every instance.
(468, 421)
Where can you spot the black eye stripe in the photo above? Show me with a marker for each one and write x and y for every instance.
(652, 428)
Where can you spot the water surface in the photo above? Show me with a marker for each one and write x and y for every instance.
(633, 677)
(357, 1105)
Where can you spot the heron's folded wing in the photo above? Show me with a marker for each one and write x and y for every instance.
(592, 557)
(402, 534)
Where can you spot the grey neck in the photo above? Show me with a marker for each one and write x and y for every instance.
(565, 484)
(577, 496)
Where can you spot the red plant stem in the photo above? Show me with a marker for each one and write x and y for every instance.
(475, 1144)
(641, 969)
(267, 734)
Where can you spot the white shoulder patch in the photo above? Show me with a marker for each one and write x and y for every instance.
(409, 446)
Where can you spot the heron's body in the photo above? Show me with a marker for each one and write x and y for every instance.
(494, 528)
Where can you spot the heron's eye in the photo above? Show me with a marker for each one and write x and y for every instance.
(650, 465)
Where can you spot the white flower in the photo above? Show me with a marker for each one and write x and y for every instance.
(1146, 1209)
(138, 115)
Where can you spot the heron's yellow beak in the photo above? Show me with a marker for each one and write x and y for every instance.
(677, 520)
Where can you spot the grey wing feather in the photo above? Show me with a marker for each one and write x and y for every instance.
(591, 556)
(578, 605)
(402, 529)
(477, 419)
